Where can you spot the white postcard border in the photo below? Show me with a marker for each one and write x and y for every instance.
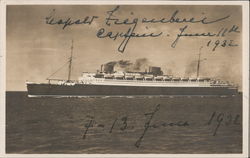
(245, 68)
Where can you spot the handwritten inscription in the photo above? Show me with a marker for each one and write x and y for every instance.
(112, 20)
(222, 43)
(126, 36)
(123, 124)
(147, 125)
(219, 118)
(221, 33)
(51, 20)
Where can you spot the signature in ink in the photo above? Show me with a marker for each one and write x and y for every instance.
(102, 33)
(52, 20)
(112, 20)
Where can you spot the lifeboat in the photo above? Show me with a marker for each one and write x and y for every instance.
(158, 78)
(176, 79)
(108, 76)
(167, 78)
(139, 77)
(119, 75)
(193, 79)
(148, 77)
(184, 79)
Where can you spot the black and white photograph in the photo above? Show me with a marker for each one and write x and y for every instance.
(126, 78)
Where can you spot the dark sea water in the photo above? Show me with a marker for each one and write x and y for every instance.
(181, 124)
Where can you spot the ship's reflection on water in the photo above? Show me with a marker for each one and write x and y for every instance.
(123, 124)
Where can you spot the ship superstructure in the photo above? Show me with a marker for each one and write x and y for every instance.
(108, 82)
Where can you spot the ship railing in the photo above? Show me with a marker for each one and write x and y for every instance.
(146, 78)
(222, 85)
(155, 80)
(88, 81)
(190, 82)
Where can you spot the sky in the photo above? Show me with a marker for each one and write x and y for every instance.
(35, 49)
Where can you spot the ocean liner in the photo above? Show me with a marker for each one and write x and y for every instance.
(107, 82)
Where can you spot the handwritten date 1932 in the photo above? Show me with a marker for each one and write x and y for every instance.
(222, 43)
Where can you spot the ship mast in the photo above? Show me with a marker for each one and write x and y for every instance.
(198, 65)
(70, 61)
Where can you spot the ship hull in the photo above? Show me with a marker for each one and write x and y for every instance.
(116, 90)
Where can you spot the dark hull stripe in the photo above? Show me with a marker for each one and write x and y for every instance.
(108, 90)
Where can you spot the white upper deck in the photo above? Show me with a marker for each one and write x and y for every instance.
(148, 80)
